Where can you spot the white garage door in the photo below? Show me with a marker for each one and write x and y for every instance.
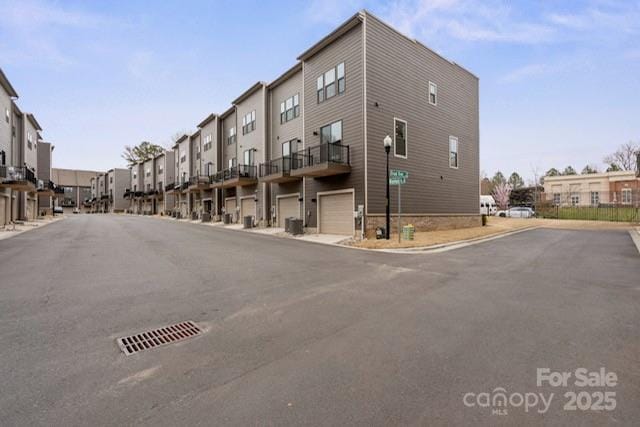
(336, 213)
(287, 207)
(247, 208)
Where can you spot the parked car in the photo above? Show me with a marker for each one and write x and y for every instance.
(58, 210)
(517, 212)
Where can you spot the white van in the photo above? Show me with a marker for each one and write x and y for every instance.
(488, 205)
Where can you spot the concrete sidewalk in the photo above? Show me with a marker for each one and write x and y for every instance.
(11, 230)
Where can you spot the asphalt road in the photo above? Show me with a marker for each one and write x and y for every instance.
(306, 334)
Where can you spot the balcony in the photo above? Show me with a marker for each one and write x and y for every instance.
(326, 159)
(18, 178)
(198, 182)
(240, 176)
(127, 193)
(277, 170)
(47, 188)
(104, 197)
(169, 188)
(151, 193)
(138, 194)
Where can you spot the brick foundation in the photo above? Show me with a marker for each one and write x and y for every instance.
(423, 222)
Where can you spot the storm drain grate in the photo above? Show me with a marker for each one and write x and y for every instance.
(158, 337)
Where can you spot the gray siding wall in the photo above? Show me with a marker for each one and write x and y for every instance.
(120, 184)
(110, 183)
(148, 181)
(398, 75)
(160, 172)
(228, 151)
(169, 167)
(5, 126)
(44, 160)
(184, 168)
(30, 150)
(210, 155)
(17, 152)
(347, 107)
(287, 131)
(196, 160)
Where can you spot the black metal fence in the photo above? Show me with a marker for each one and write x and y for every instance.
(622, 205)
(320, 154)
(279, 165)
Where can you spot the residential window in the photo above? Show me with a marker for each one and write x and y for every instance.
(248, 157)
(453, 152)
(232, 163)
(209, 168)
(433, 93)
(183, 157)
(331, 83)
(290, 108)
(110, 180)
(147, 172)
(160, 169)
(575, 199)
(286, 148)
(556, 199)
(331, 133)
(249, 122)
(7, 115)
(208, 141)
(135, 175)
(197, 151)
(400, 138)
(29, 140)
(595, 198)
(231, 138)
(626, 196)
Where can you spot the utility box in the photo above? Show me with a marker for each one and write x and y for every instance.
(248, 221)
(227, 218)
(287, 224)
(295, 226)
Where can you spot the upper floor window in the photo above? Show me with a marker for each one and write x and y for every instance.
(183, 157)
(208, 169)
(147, 172)
(453, 152)
(231, 138)
(290, 108)
(208, 141)
(400, 138)
(331, 133)
(110, 180)
(135, 175)
(331, 83)
(197, 151)
(433, 93)
(29, 140)
(249, 122)
(160, 169)
(7, 115)
(232, 162)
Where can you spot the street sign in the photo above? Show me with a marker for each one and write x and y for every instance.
(397, 173)
(397, 181)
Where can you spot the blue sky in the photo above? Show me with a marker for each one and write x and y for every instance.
(559, 81)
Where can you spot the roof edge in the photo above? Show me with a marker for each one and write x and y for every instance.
(332, 36)
(247, 93)
(207, 120)
(6, 84)
(286, 75)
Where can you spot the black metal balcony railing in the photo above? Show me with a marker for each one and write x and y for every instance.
(169, 186)
(58, 190)
(151, 192)
(17, 174)
(138, 194)
(331, 152)
(127, 193)
(184, 185)
(104, 197)
(198, 179)
(240, 171)
(47, 185)
(279, 165)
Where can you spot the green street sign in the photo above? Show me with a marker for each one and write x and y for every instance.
(396, 173)
(397, 181)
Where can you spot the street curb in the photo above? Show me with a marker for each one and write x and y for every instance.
(635, 236)
(443, 247)
(30, 229)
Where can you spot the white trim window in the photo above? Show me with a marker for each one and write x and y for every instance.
(626, 196)
(183, 156)
(575, 199)
(433, 93)
(208, 140)
(160, 169)
(29, 140)
(454, 158)
(231, 137)
(331, 83)
(400, 138)
(232, 163)
(249, 122)
(147, 172)
(595, 198)
(7, 115)
(556, 199)
(290, 108)
(249, 157)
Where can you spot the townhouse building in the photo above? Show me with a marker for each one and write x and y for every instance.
(136, 182)
(103, 193)
(76, 189)
(118, 182)
(165, 181)
(7, 96)
(46, 186)
(309, 145)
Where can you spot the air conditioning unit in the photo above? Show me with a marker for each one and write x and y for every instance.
(40, 184)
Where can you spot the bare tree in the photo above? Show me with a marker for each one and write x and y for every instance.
(501, 193)
(143, 151)
(624, 158)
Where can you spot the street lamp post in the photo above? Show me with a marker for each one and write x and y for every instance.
(387, 148)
